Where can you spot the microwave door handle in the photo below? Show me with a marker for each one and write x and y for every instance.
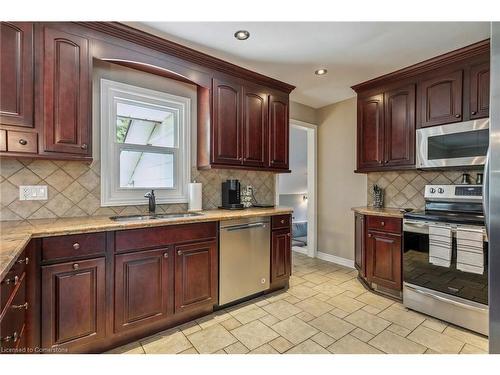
(486, 191)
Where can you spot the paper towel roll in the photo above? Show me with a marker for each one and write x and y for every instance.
(194, 192)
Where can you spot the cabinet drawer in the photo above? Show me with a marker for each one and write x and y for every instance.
(147, 238)
(14, 317)
(22, 142)
(384, 224)
(12, 279)
(78, 245)
(281, 221)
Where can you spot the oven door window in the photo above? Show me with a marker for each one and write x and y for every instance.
(418, 271)
(458, 145)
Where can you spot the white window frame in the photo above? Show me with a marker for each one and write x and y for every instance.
(112, 194)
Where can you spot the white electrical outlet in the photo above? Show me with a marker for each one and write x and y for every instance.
(33, 193)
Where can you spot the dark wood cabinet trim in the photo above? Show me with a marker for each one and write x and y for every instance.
(482, 47)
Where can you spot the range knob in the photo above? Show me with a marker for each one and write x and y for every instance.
(432, 190)
(440, 190)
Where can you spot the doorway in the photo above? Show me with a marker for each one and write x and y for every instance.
(298, 188)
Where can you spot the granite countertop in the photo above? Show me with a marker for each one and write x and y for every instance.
(387, 212)
(15, 235)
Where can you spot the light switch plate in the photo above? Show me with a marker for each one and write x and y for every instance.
(33, 192)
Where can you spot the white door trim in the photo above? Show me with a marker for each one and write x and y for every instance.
(312, 142)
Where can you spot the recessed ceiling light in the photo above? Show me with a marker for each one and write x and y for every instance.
(321, 72)
(242, 35)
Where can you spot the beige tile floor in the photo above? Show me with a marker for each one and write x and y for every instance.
(326, 310)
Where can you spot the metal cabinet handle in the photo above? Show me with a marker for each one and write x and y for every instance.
(288, 234)
(25, 261)
(473, 112)
(23, 142)
(76, 246)
(14, 280)
(84, 146)
(76, 266)
(165, 255)
(282, 221)
(179, 252)
(457, 115)
(12, 338)
(382, 223)
(369, 235)
(20, 307)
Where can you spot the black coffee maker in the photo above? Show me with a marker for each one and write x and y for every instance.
(231, 199)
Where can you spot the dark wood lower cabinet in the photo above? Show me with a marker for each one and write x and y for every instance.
(73, 303)
(281, 262)
(195, 275)
(359, 244)
(384, 259)
(143, 288)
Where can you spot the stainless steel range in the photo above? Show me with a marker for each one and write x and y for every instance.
(445, 259)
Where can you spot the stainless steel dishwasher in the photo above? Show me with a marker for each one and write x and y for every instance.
(244, 258)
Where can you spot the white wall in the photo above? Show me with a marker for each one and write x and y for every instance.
(339, 188)
(298, 203)
(296, 181)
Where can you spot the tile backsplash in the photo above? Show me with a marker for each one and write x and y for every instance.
(74, 189)
(405, 189)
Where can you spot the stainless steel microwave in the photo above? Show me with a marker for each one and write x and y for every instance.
(453, 145)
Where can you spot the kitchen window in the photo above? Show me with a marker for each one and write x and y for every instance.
(144, 145)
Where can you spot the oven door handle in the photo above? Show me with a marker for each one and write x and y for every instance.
(446, 300)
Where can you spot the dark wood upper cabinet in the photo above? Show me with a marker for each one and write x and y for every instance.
(399, 126)
(16, 74)
(480, 90)
(196, 275)
(370, 131)
(281, 262)
(279, 132)
(73, 303)
(66, 92)
(227, 133)
(441, 99)
(143, 288)
(384, 259)
(255, 129)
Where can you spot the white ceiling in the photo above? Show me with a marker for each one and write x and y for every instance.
(352, 52)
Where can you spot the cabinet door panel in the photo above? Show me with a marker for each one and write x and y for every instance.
(143, 288)
(66, 92)
(195, 275)
(399, 126)
(441, 99)
(73, 303)
(280, 255)
(16, 73)
(279, 132)
(226, 125)
(359, 243)
(384, 264)
(370, 132)
(254, 128)
(480, 91)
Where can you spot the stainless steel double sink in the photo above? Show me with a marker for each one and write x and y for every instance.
(155, 216)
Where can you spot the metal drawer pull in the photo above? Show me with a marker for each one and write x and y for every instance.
(14, 280)
(282, 221)
(369, 235)
(25, 261)
(12, 338)
(473, 112)
(165, 255)
(76, 266)
(382, 223)
(23, 142)
(179, 252)
(20, 307)
(76, 246)
(457, 115)
(84, 146)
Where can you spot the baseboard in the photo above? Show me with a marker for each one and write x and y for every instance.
(301, 250)
(335, 259)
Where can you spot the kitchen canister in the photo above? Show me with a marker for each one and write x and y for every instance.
(194, 196)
